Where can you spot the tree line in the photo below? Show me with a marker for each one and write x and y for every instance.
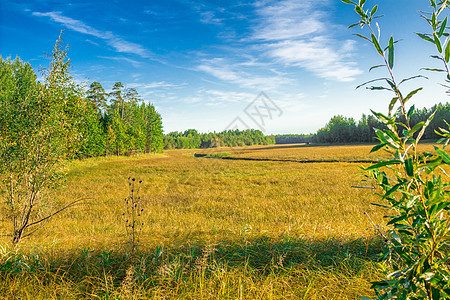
(191, 139)
(342, 129)
(101, 123)
(122, 123)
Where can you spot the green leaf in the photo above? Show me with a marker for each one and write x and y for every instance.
(353, 25)
(441, 30)
(374, 10)
(377, 147)
(370, 81)
(383, 164)
(391, 52)
(425, 37)
(374, 67)
(433, 3)
(416, 127)
(360, 12)
(433, 69)
(361, 36)
(376, 44)
(349, 2)
(433, 22)
(412, 93)
(392, 104)
(409, 167)
(437, 42)
(447, 52)
(443, 154)
(412, 77)
(361, 2)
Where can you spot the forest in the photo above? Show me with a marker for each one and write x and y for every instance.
(341, 129)
(87, 121)
(191, 139)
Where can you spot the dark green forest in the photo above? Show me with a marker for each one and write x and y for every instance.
(341, 129)
(191, 139)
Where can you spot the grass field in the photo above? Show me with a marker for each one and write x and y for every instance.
(266, 222)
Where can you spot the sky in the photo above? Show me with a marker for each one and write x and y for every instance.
(279, 66)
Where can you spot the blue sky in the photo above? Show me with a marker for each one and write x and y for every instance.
(202, 63)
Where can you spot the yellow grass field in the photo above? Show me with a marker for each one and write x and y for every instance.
(273, 222)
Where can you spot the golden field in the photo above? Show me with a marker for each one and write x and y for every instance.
(273, 222)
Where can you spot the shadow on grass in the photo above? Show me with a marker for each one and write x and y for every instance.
(262, 255)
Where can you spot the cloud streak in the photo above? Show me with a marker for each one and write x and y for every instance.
(294, 33)
(119, 44)
(232, 72)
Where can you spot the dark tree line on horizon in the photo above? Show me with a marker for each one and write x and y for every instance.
(191, 139)
(341, 129)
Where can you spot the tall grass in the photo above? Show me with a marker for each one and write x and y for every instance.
(213, 229)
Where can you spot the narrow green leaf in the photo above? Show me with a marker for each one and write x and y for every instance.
(392, 104)
(383, 164)
(360, 12)
(409, 167)
(349, 2)
(433, 22)
(443, 154)
(376, 44)
(412, 77)
(433, 3)
(353, 25)
(411, 111)
(437, 42)
(361, 2)
(361, 36)
(370, 81)
(377, 147)
(374, 10)
(384, 206)
(373, 88)
(374, 67)
(425, 37)
(412, 93)
(391, 52)
(441, 30)
(416, 127)
(447, 52)
(433, 70)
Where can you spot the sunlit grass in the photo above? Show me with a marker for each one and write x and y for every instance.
(213, 228)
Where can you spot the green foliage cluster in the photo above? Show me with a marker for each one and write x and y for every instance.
(413, 185)
(191, 139)
(120, 123)
(40, 127)
(341, 129)
(293, 138)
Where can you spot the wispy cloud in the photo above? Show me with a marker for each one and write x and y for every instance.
(156, 85)
(209, 17)
(294, 33)
(119, 44)
(235, 73)
(127, 60)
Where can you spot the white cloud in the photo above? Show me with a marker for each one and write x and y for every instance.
(119, 44)
(155, 85)
(133, 62)
(293, 32)
(233, 72)
(209, 17)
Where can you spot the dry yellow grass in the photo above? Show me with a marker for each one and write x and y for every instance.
(228, 229)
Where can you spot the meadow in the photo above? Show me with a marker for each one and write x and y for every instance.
(261, 222)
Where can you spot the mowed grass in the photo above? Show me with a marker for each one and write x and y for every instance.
(285, 225)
